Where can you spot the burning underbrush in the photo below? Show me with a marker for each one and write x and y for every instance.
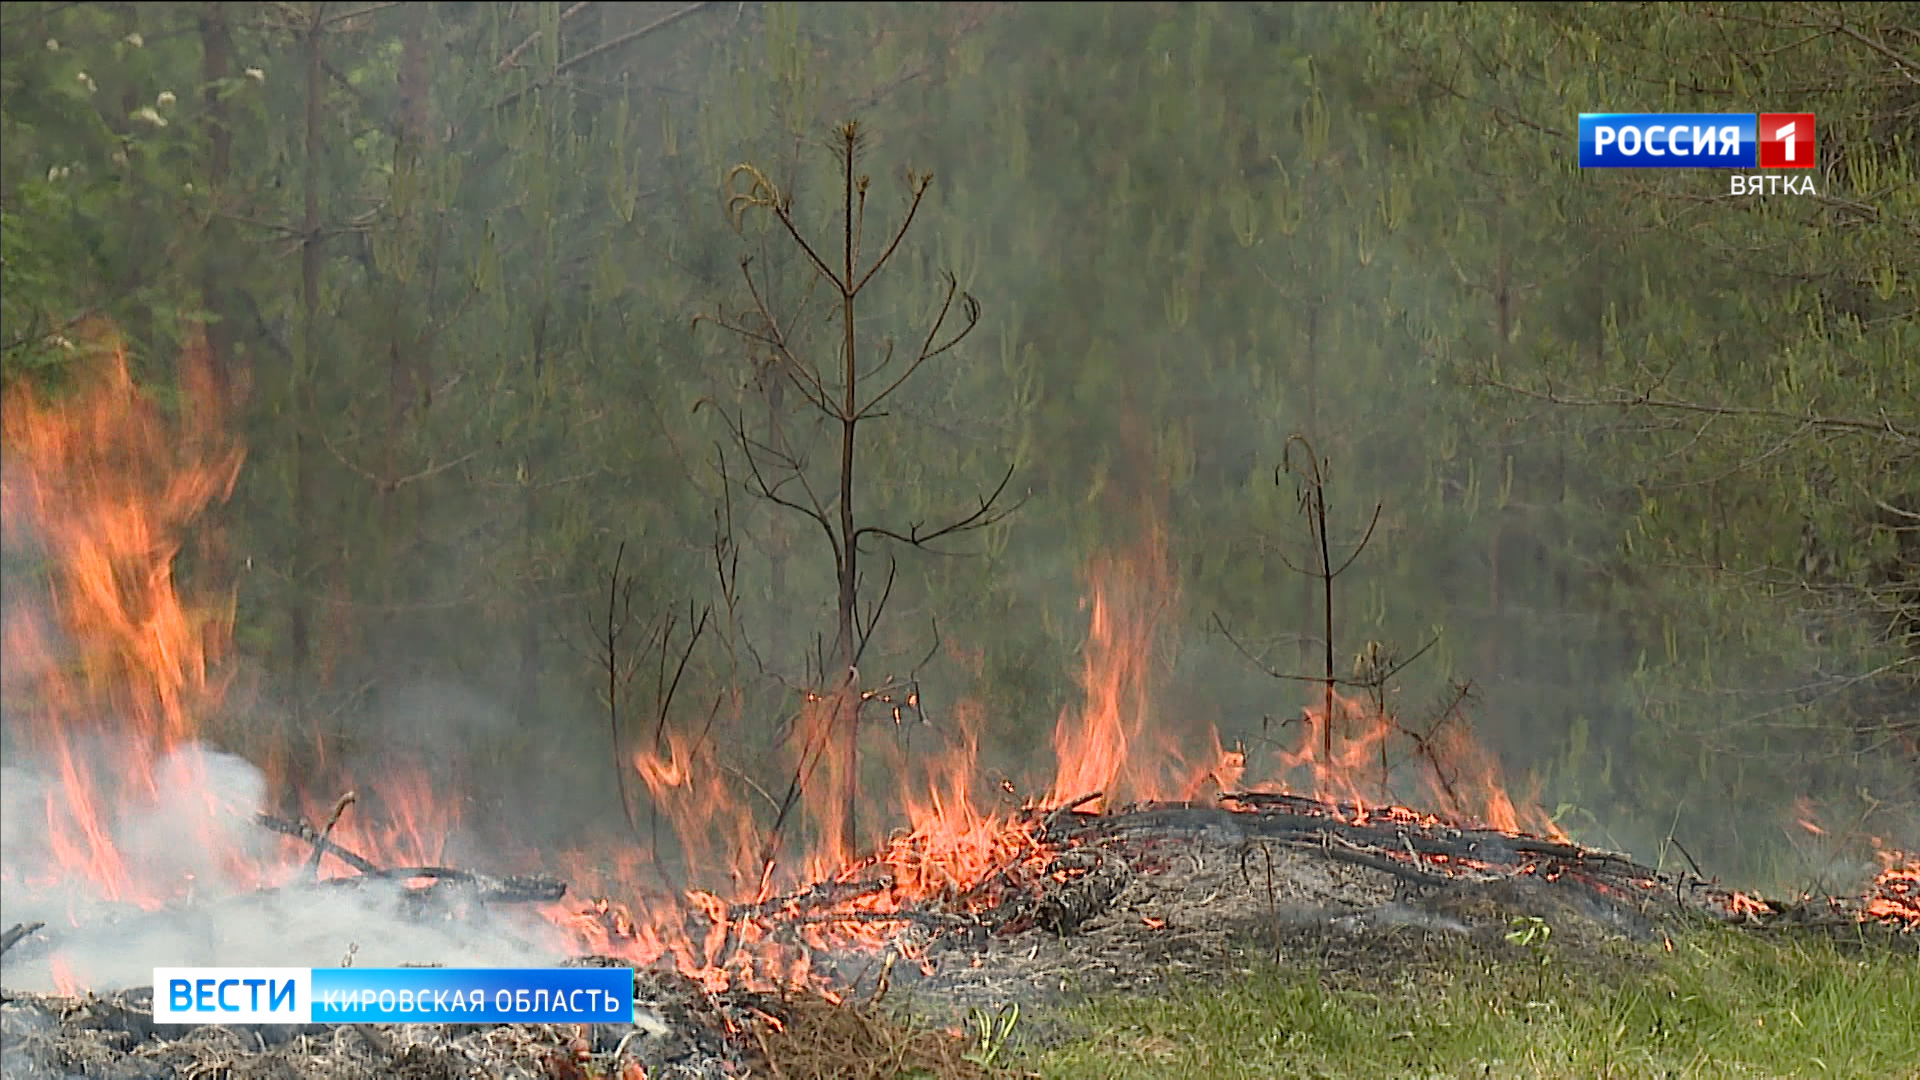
(130, 843)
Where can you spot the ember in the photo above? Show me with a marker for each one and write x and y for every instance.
(1895, 895)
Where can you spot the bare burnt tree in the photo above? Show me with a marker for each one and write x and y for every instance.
(620, 645)
(844, 390)
(1376, 665)
(1311, 470)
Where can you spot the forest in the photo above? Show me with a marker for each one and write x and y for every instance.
(610, 383)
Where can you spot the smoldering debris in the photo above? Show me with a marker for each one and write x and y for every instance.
(1121, 901)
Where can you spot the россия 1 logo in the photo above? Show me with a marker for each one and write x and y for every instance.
(1786, 141)
(1705, 141)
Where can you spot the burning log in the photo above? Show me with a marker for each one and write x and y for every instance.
(824, 894)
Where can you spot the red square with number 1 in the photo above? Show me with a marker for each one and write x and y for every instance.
(1786, 140)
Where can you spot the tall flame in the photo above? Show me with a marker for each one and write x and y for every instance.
(103, 487)
(1109, 745)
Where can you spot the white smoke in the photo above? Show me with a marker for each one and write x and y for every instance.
(195, 833)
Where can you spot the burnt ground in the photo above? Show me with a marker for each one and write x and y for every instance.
(1129, 903)
(1192, 893)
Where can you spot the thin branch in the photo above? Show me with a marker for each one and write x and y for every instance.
(874, 610)
(986, 514)
(1885, 424)
(1906, 65)
(512, 58)
(612, 43)
(918, 185)
(771, 492)
(1361, 546)
(783, 213)
(348, 16)
(1368, 683)
(927, 349)
(664, 698)
(389, 486)
(619, 614)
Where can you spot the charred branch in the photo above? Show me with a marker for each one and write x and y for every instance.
(320, 843)
(514, 889)
(306, 833)
(17, 933)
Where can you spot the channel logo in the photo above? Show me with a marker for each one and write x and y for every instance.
(1697, 141)
(392, 995)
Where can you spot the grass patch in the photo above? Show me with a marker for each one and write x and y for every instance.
(1724, 1003)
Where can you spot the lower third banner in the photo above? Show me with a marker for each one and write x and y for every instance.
(392, 995)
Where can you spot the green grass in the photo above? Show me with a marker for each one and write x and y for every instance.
(1724, 1004)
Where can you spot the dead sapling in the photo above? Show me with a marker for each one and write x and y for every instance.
(1376, 665)
(623, 645)
(842, 386)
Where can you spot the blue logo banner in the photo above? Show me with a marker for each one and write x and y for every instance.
(1668, 140)
(392, 995)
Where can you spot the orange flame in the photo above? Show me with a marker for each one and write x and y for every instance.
(1108, 747)
(105, 485)
(108, 485)
(1895, 894)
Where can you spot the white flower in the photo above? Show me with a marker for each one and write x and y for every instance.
(86, 80)
(146, 113)
(134, 39)
(256, 74)
(53, 44)
(187, 187)
(166, 98)
(119, 157)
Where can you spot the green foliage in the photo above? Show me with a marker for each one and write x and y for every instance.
(1726, 1003)
(991, 1033)
(1686, 592)
(96, 144)
(1741, 371)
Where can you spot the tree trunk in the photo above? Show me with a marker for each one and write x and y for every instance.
(847, 713)
(1310, 627)
(216, 54)
(300, 390)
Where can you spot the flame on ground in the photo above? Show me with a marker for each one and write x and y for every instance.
(112, 674)
(1895, 894)
(114, 677)
(118, 674)
(1893, 897)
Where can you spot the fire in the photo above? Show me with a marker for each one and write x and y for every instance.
(113, 672)
(117, 675)
(1111, 746)
(1108, 748)
(1893, 897)
(1895, 894)
(111, 680)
